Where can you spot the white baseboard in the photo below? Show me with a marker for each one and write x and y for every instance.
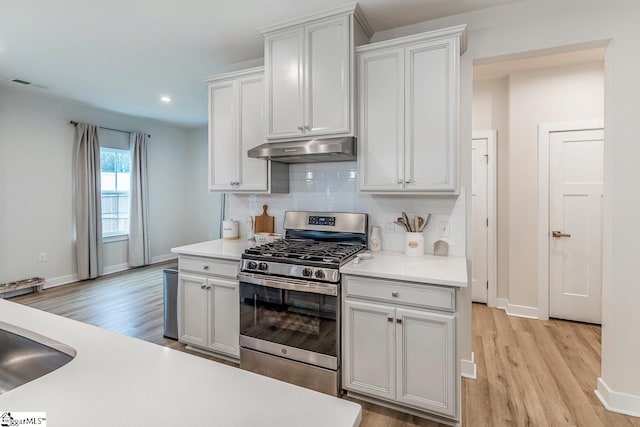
(518, 310)
(468, 368)
(70, 278)
(115, 268)
(163, 258)
(623, 403)
(62, 280)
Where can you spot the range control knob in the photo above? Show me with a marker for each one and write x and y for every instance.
(307, 272)
(319, 274)
(263, 266)
(252, 265)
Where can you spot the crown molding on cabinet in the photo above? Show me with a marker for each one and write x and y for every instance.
(351, 8)
(234, 74)
(458, 30)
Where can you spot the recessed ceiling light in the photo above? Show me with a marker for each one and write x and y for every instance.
(165, 99)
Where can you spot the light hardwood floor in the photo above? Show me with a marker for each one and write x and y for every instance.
(530, 372)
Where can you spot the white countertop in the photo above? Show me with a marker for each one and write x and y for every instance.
(122, 380)
(436, 270)
(224, 249)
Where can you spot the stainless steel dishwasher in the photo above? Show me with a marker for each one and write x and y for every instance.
(170, 282)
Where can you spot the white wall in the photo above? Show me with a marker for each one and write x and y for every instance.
(333, 187)
(203, 209)
(491, 112)
(36, 200)
(548, 26)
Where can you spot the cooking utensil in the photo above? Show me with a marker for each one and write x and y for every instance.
(264, 223)
(400, 221)
(405, 217)
(425, 223)
(416, 223)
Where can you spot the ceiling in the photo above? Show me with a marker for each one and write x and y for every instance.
(502, 69)
(123, 55)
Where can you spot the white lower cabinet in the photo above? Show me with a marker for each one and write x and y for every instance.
(209, 313)
(405, 356)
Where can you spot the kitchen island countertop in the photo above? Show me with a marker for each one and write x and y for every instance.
(431, 269)
(115, 378)
(222, 249)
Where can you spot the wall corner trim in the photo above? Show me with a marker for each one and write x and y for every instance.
(623, 403)
(468, 368)
(518, 310)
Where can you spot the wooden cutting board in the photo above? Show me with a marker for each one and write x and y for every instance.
(264, 223)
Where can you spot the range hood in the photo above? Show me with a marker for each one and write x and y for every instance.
(310, 151)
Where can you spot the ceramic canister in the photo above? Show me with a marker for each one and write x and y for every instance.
(230, 229)
(413, 244)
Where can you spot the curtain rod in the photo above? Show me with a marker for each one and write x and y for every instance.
(102, 127)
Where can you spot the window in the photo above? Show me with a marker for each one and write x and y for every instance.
(115, 176)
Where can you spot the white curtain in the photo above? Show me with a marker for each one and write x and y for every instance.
(88, 202)
(139, 249)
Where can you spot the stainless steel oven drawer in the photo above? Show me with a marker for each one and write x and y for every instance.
(414, 294)
(312, 377)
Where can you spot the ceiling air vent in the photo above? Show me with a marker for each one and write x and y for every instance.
(22, 82)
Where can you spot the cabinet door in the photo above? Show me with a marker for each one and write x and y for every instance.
(369, 352)
(193, 309)
(431, 116)
(284, 57)
(327, 77)
(224, 317)
(381, 109)
(223, 149)
(251, 132)
(426, 360)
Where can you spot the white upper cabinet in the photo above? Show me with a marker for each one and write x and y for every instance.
(237, 124)
(309, 74)
(408, 99)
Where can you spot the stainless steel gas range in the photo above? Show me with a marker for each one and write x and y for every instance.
(290, 299)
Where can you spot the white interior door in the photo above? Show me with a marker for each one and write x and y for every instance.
(575, 217)
(479, 187)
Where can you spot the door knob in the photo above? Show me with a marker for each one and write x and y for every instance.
(558, 234)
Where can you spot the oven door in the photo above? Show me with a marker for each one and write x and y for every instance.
(286, 321)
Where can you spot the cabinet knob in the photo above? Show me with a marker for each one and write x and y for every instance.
(307, 127)
(407, 182)
(389, 319)
(399, 181)
(399, 321)
(208, 287)
(206, 267)
(300, 128)
(394, 294)
(203, 286)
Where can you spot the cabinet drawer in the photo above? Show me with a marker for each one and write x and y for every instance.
(214, 267)
(417, 295)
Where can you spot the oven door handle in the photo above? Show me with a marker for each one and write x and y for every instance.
(290, 284)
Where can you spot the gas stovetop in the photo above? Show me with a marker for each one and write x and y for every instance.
(298, 251)
(316, 245)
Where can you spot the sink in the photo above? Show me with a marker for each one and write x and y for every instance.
(26, 356)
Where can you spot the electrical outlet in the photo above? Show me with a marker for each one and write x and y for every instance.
(443, 228)
(42, 257)
(389, 226)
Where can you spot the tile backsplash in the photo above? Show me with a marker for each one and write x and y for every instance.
(333, 187)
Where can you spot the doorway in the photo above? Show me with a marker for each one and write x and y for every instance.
(513, 97)
(570, 208)
(483, 189)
